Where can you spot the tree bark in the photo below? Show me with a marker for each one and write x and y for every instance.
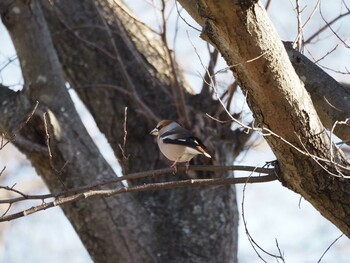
(75, 159)
(279, 102)
(173, 212)
(330, 98)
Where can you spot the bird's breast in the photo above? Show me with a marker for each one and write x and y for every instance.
(174, 152)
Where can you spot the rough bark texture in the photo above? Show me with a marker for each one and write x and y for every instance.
(75, 159)
(113, 62)
(330, 98)
(176, 214)
(278, 100)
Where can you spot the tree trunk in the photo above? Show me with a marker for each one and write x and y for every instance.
(75, 159)
(281, 106)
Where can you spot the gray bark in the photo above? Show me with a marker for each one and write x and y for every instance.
(330, 98)
(75, 159)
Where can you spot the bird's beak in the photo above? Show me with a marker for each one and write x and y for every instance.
(154, 132)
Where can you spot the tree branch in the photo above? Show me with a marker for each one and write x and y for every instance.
(176, 87)
(122, 69)
(143, 174)
(70, 144)
(86, 192)
(331, 99)
(277, 99)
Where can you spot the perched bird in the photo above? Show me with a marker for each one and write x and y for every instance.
(177, 143)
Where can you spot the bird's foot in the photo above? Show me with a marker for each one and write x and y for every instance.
(187, 166)
(174, 166)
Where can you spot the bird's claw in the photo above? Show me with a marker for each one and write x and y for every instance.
(175, 168)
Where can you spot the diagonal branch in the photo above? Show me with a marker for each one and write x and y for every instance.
(331, 99)
(122, 70)
(277, 99)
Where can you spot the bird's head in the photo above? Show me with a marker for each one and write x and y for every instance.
(161, 125)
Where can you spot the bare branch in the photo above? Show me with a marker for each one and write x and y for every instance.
(341, 164)
(252, 242)
(6, 211)
(324, 253)
(312, 14)
(324, 91)
(3, 169)
(11, 138)
(57, 172)
(231, 90)
(183, 19)
(12, 189)
(19, 139)
(330, 27)
(268, 3)
(299, 39)
(177, 89)
(61, 199)
(328, 163)
(123, 146)
(209, 76)
(139, 175)
(122, 70)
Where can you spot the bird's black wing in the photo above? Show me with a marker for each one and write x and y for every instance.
(190, 141)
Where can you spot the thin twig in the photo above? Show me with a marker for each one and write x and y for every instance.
(177, 89)
(8, 62)
(310, 16)
(299, 39)
(328, 248)
(330, 27)
(183, 19)
(231, 90)
(6, 211)
(268, 5)
(122, 70)
(252, 242)
(209, 73)
(12, 189)
(214, 87)
(267, 132)
(146, 187)
(124, 161)
(20, 127)
(279, 251)
(143, 174)
(57, 172)
(3, 169)
(246, 227)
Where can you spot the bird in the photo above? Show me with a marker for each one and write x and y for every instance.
(178, 144)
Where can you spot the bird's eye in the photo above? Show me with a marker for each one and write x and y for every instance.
(159, 127)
